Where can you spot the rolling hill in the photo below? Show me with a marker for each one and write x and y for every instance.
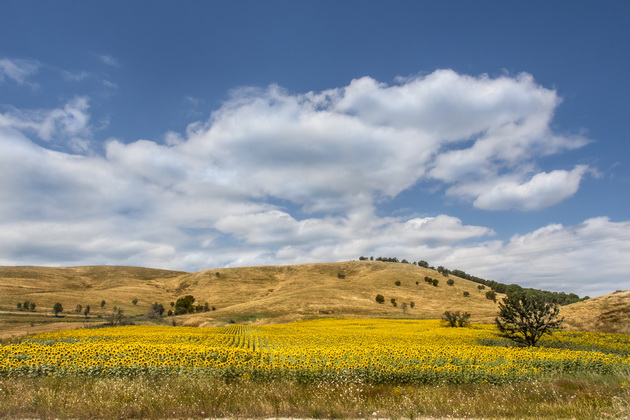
(266, 294)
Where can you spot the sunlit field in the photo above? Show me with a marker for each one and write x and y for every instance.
(394, 352)
(314, 369)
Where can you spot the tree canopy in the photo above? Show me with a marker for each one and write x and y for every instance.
(525, 319)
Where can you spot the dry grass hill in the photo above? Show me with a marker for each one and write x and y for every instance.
(608, 313)
(267, 294)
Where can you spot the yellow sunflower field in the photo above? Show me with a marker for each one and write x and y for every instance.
(370, 351)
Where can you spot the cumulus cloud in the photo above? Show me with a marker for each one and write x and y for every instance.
(542, 190)
(589, 258)
(276, 178)
(18, 70)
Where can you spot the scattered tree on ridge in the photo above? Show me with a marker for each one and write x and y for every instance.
(57, 308)
(380, 298)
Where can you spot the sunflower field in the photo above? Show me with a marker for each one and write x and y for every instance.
(375, 351)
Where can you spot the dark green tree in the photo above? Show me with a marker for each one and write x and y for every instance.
(380, 299)
(491, 295)
(157, 309)
(184, 305)
(57, 308)
(525, 319)
(456, 319)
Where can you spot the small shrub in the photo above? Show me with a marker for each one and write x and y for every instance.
(436, 282)
(393, 301)
(341, 276)
(481, 287)
(57, 308)
(412, 305)
(397, 283)
(491, 295)
(456, 319)
(380, 299)
(466, 294)
(451, 318)
(134, 301)
(450, 282)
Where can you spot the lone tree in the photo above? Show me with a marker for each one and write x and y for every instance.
(524, 319)
(57, 308)
(380, 298)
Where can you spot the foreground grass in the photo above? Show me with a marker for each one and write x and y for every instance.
(185, 397)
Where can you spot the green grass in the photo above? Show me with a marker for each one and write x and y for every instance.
(185, 397)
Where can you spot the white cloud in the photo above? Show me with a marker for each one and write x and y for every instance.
(68, 126)
(542, 190)
(108, 59)
(18, 70)
(590, 258)
(278, 178)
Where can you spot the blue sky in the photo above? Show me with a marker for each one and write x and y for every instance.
(486, 136)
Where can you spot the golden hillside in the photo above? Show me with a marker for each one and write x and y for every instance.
(267, 294)
(287, 293)
(608, 313)
(248, 294)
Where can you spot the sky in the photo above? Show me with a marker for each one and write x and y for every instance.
(487, 136)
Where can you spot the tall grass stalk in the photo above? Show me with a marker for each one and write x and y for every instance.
(190, 397)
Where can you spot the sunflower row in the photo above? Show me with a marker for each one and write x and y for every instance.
(376, 351)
